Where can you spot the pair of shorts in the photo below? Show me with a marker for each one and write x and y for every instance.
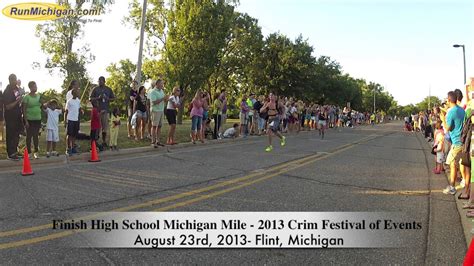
(142, 115)
(205, 115)
(104, 120)
(243, 118)
(274, 124)
(171, 116)
(72, 128)
(156, 118)
(440, 157)
(52, 135)
(454, 154)
(196, 123)
(322, 123)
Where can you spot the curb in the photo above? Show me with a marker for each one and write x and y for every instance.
(467, 223)
(83, 157)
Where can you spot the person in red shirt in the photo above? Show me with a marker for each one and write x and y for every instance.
(95, 122)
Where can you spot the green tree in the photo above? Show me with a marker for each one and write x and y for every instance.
(120, 78)
(429, 100)
(57, 41)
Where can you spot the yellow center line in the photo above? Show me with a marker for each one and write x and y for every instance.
(299, 163)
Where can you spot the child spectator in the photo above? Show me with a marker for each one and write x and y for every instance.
(95, 122)
(232, 132)
(114, 128)
(53, 111)
(73, 107)
(438, 147)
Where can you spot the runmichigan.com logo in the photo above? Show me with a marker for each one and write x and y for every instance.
(47, 11)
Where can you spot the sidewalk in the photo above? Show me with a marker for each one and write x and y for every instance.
(467, 223)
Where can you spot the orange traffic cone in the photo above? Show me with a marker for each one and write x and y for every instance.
(94, 155)
(469, 259)
(26, 164)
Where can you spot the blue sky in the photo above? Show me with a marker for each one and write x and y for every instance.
(404, 45)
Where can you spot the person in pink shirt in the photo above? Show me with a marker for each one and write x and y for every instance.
(438, 146)
(196, 117)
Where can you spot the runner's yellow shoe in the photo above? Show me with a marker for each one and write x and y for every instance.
(269, 148)
(283, 141)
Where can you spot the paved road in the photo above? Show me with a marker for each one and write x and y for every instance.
(368, 169)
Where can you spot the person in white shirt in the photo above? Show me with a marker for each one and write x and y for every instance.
(73, 108)
(171, 112)
(232, 132)
(52, 127)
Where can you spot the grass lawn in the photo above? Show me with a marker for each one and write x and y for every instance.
(182, 135)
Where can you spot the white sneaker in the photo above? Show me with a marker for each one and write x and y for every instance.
(449, 190)
(36, 155)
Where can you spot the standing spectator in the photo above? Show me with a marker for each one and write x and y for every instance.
(53, 111)
(148, 109)
(273, 109)
(12, 100)
(95, 123)
(251, 120)
(174, 102)
(73, 85)
(2, 137)
(205, 112)
(196, 117)
(260, 121)
(244, 118)
(453, 123)
(140, 111)
(438, 147)
(217, 114)
(73, 108)
(114, 129)
(32, 117)
(157, 104)
(104, 95)
(224, 112)
(131, 98)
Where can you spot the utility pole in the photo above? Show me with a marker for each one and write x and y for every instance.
(140, 49)
(374, 98)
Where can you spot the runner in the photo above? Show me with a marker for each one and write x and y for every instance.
(322, 121)
(272, 109)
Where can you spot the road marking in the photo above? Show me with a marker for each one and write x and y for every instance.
(299, 163)
(400, 192)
